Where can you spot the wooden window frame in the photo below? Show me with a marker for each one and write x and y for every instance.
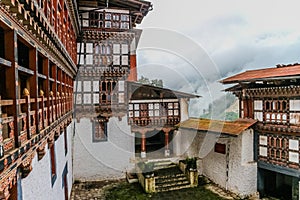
(97, 124)
(53, 163)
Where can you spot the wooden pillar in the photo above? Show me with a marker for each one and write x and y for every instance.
(28, 117)
(133, 71)
(1, 136)
(143, 144)
(33, 90)
(247, 105)
(43, 109)
(47, 90)
(12, 82)
(167, 149)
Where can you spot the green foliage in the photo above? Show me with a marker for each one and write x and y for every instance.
(191, 163)
(231, 116)
(154, 82)
(218, 109)
(126, 191)
(147, 168)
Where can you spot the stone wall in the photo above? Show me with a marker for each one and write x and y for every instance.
(37, 185)
(106, 159)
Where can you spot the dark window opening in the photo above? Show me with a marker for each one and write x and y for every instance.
(52, 86)
(23, 84)
(40, 64)
(41, 85)
(23, 55)
(114, 85)
(2, 83)
(220, 148)
(109, 86)
(52, 70)
(267, 105)
(2, 43)
(284, 105)
(103, 86)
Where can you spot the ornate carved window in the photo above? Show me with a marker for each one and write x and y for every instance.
(99, 130)
(273, 148)
(274, 111)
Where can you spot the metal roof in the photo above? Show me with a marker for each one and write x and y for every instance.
(233, 128)
(280, 72)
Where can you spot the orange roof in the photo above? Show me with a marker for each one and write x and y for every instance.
(233, 128)
(268, 73)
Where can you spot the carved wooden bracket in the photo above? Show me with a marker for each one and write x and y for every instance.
(41, 150)
(7, 182)
(26, 166)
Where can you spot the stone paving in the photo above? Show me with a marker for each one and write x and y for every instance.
(96, 190)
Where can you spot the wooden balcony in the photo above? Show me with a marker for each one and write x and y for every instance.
(30, 122)
(154, 121)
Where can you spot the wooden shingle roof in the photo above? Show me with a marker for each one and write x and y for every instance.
(233, 128)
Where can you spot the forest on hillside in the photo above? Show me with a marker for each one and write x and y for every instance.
(222, 111)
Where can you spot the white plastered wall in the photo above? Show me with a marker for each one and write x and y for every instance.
(107, 159)
(37, 185)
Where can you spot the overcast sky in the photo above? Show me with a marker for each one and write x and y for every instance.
(226, 37)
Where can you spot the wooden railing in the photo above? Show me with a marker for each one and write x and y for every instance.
(154, 121)
(29, 121)
(7, 141)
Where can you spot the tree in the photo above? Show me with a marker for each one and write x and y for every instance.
(154, 82)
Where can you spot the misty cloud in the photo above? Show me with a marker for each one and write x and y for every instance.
(201, 42)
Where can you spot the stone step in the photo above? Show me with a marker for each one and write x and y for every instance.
(172, 183)
(163, 164)
(166, 180)
(170, 188)
(170, 176)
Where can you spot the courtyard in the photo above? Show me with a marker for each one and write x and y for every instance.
(122, 190)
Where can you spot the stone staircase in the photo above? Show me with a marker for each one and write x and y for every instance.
(169, 177)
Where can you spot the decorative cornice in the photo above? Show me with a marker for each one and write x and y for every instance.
(283, 91)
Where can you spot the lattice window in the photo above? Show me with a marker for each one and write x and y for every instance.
(275, 111)
(273, 148)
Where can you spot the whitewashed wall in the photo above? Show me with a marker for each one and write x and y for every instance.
(242, 174)
(37, 185)
(242, 168)
(103, 160)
